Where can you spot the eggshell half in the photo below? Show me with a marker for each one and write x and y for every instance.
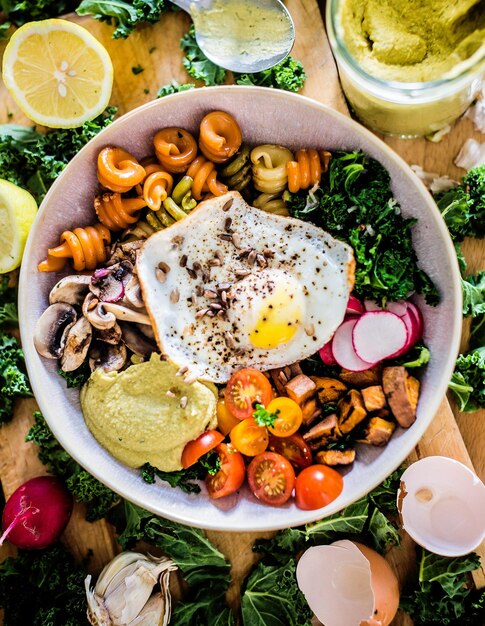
(442, 506)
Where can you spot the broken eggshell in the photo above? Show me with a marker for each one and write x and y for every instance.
(354, 586)
(442, 506)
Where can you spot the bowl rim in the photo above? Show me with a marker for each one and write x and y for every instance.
(419, 427)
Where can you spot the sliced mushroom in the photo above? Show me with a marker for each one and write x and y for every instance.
(133, 293)
(107, 357)
(146, 330)
(95, 313)
(52, 329)
(71, 289)
(108, 284)
(125, 314)
(124, 251)
(77, 345)
(109, 335)
(136, 341)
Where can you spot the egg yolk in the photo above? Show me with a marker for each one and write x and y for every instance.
(278, 320)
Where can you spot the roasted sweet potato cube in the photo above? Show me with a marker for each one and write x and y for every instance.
(374, 398)
(310, 410)
(327, 429)
(351, 411)
(402, 393)
(329, 389)
(366, 378)
(377, 432)
(300, 388)
(335, 457)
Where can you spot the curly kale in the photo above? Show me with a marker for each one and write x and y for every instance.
(355, 203)
(33, 160)
(288, 75)
(181, 478)
(125, 16)
(473, 288)
(13, 378)
(42, 588)
(174, 87)
(27, 10)
(197, 64)
(8, 303)
(468, 380)
(84, 487)
(77, 377)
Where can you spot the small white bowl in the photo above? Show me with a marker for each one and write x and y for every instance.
(442, 506)
(265, 116)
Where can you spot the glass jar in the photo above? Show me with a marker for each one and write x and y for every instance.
(403, 108)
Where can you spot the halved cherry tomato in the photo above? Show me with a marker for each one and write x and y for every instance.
(231, 475)
(294, 448)
(249, 438)
(245, 389)
(200, 446)
(225, 419)
(316, 486)
(271, 478)
(289, 419)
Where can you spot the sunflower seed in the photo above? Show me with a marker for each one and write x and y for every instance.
(182, 371)
(183, 402)
(242, 273)
(201, 313)
(174, 296)
(193, 298)
(244, 253)
(268, 253)
(223, 286)
(229, 339)
(211, 313)
(219, 255)
(199, 290)
(165, 267)
(261, 261)
(215, 263)
(183, 260)
(224, 296)
(310, 329)
(236, 240)
(227, 224)
(224, 236)
(209, 293)
(252, 257)
(170, 394)
(160, 274)
(177, 240)
(191, 272)
(215, 306)
(228, 205)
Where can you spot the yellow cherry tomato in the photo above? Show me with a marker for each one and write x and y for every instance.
(225, 419)
(289, 418)
(249, 438)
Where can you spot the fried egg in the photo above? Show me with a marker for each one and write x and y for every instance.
(232, 286)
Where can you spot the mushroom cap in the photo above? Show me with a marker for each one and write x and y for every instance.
(71, 289)
(52, 329)
(136, 341)
(77, 345)
(96, 315)
(126, 314)
(133, 295)
(108, 357)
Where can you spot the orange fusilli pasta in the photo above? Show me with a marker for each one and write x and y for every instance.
(220, 136)
(116, 212)
(118, 170)
(157, 186)
(85, 246)
(204, 175)
(305, 171)
(175, 149)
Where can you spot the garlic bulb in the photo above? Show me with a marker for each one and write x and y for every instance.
(124, 594)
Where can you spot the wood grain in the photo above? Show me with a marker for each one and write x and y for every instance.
(156, 50)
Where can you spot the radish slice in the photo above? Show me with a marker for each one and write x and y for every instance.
(411, 330)
(378, 335)
(398, 308)
(343, 349)
(354, 306)
(371, 305)
(414, 310)
(326, 354)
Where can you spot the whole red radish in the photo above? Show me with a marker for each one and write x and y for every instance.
(36, 513)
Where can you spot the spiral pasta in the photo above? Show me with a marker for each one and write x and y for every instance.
(269, 168)
(237, 173)
(85, 246)
(156, 188)
(204, 175)
(271, 203)
(220, 136)
(305, 171)
(118, 170)
(175, 149)
(116, 212)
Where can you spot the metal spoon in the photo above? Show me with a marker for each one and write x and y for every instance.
(242, 35)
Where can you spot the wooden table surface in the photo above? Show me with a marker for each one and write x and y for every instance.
(18, 460)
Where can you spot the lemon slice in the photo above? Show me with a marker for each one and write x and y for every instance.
(17, 212)
(58, 73)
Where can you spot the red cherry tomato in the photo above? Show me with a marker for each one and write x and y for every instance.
(271, 478)
(293, 448)
(249, 438)
(200, 446)
(245, 389)
(231, 475)
(316, 486)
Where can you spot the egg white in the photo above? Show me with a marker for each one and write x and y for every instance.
(302, 262)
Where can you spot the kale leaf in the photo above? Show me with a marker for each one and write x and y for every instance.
(84, 487)
(13, 378)
(125, 16)
(28, 10)
(468, 380)
(350, 520)
(77, 377)
(33, 160)
(473, 288)
(42, 588)
(355, 203)
(8, 303)
(289, 75)
(271, 597)
(197, 64)
(181, 478)
(443, 595)
(174, 87)
(418, 356)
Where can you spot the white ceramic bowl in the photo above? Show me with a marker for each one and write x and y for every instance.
(265, 116)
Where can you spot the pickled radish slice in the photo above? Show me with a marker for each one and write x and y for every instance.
(378, 335)
(343, 349)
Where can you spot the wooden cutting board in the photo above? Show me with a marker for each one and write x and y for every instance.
(156, 50)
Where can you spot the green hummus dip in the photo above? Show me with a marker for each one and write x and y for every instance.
(131, 415)
(414, 40)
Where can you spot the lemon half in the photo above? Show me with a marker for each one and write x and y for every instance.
(58, 73)
(17, 212)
